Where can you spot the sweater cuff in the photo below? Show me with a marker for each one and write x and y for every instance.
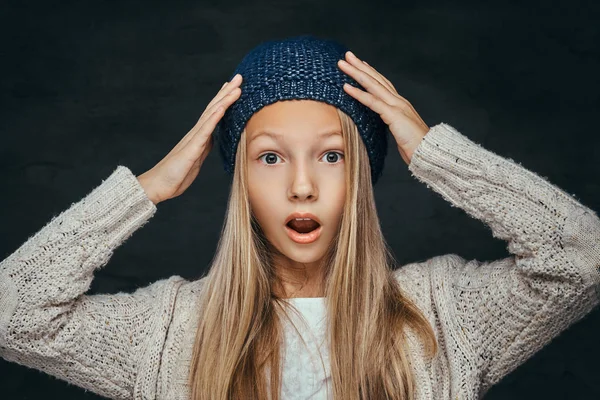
(446, 158)
(119, 205)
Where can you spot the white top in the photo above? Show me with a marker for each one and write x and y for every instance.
(304, 375)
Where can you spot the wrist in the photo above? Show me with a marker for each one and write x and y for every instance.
(147, 189)
(407, 151)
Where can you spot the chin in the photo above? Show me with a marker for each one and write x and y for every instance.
(304, 256)
(302, 253)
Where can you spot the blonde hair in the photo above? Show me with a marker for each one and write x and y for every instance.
(237, 345)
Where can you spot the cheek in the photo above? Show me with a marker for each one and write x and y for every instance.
(333, 194)
(336, 191)
(264, 204)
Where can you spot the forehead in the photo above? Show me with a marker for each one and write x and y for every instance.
(291, 117)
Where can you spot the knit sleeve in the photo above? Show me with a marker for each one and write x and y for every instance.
(109, 344)
(501, 312)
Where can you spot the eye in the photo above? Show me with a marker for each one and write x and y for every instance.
(337, 153)
(273, 157)
(270, 156)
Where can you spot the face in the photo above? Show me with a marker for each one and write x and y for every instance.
(299, 168)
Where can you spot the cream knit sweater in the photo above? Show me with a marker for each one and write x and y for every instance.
(489, 317)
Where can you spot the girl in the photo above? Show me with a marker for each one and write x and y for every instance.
(303, 299)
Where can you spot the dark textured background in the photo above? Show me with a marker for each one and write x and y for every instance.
(87, 86)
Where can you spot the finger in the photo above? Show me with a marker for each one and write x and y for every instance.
(362, 65)
(225, 101)
(385, 110)
(196, 145)
(225, 89)
(374, 71)
(202, 140)
(355, 61)
(221, 94)
(358, 63)
(376, 104)
(223, 104)
(368, 82)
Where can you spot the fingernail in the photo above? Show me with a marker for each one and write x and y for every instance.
(352, 54)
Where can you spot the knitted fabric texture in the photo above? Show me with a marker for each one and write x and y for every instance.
(302, 67)
(489, 317)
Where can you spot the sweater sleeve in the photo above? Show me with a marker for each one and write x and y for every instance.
(501, 312)
(109, 344)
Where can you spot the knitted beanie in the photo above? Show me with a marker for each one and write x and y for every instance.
(301, 67)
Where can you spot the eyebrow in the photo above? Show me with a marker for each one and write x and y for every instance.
(278, 137)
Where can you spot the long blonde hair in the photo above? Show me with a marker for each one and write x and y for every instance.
(237, 345)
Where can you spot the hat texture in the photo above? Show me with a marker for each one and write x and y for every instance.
(301, 67)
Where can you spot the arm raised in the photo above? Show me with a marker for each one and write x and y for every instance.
(106, 343)
(503, 311)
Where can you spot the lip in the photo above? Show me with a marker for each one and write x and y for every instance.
(303, 238)
(302, 215)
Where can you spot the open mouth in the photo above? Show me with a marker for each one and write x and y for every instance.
(304, 234)
(303, 225)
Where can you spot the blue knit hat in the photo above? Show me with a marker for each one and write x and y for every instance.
(302, 67)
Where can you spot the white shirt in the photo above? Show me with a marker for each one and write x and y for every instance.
(304, 375)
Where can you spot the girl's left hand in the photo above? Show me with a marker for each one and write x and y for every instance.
(405, 124)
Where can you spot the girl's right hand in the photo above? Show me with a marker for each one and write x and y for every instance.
(176, 172)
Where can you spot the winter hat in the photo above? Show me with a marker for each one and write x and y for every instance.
(301, 67)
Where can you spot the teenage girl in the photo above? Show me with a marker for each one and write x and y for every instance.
(302, 298)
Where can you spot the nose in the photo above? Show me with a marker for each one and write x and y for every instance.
(303, 185)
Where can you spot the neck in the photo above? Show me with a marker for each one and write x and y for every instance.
(300, 280)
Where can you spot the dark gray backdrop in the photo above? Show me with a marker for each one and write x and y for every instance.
(88, 86)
